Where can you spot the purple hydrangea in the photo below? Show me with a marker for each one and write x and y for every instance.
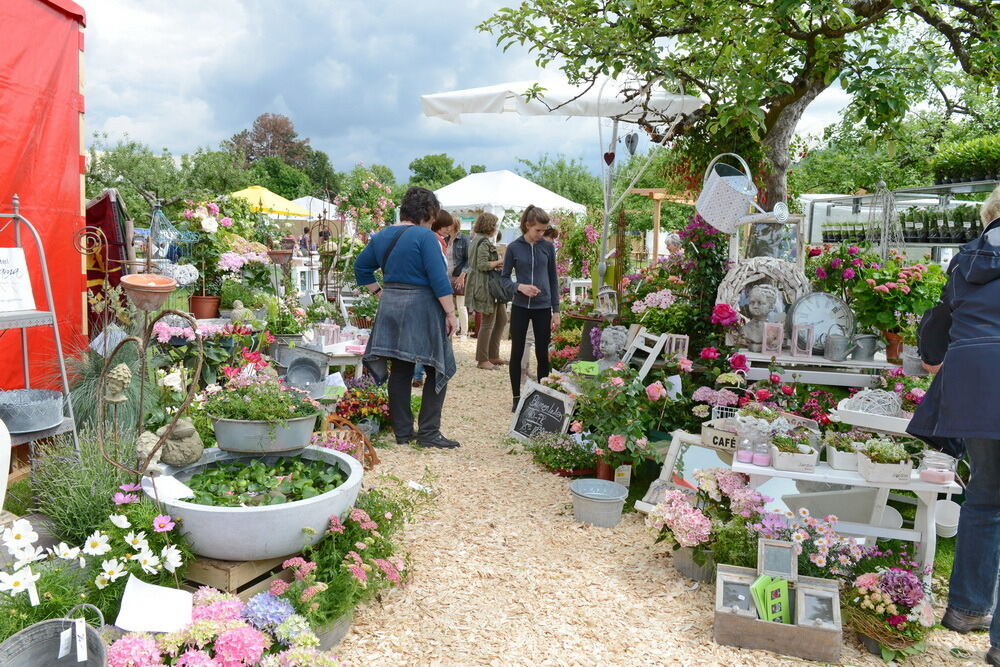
(902, 586)
(265, 611)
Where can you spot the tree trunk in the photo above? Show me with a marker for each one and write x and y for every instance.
(778, 139)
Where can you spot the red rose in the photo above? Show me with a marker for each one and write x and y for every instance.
(762, 394)
(815, 252)
(709, 353)
(787, 390)
(774, 378)
(738, 362)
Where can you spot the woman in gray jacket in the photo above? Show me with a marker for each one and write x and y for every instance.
(531, 260)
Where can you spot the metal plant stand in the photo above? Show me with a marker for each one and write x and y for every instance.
(23, 319)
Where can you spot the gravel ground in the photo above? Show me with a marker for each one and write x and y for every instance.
(504, 576)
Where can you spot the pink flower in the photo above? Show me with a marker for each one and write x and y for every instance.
(163, 524)
(820, 273)
(226, 222)
(774, 378)
(849, 274)
(709, 353)
(195, 658)
(576, 427)
(868, 581)
(904, 289)
(685, 365)
(723, 314)
(618, 382)
(616, 443)
(787, 390)
(815, 252)
(134, 650)
(882, 288)
(124, 498)
(240, 646)
(836, 262)
(857, 261)
(896, 621)
(131, 488)
(738, 362)
(278, 587)
(762, 394)
(892, 285)
(212, 207)
(853, 250)
(655, 391)
(641, 442)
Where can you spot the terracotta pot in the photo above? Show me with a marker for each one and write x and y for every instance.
(362, 322)
(893, 347)
(574, 472)
(148, 291)
(605, 471)
(203, 307)
(280, 257)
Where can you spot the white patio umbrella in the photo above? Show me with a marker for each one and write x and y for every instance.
(498, 192)
(619, 100)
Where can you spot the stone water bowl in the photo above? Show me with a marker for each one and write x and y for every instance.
(265, 531)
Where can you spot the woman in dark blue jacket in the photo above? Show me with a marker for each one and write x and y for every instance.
(532, 261)
(960, 341)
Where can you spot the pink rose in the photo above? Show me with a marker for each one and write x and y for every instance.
(617, 382)
(709, 353)
(762, 394)
(616, 443)
(849, 274)
(787, 390)
(642, 442)
(815, 252)
(738, 362)
(853, 250)
(723, 314)
(655, 391)
(685, 364)
(774, 378)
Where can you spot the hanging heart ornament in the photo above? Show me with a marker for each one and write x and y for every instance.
(609, 158)
(631, 141)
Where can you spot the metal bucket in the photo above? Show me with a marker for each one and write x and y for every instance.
(263, 437)
(598, 502)
(38, 644)
(28, 410)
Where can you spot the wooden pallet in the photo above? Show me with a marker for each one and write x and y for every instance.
(243, 578)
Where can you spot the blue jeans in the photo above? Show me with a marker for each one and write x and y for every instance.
(974, 577)
(418, 372)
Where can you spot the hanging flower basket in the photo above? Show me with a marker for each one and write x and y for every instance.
(280, 257)
(148, 291)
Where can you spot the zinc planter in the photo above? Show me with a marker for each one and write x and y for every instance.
(331, 634)
(841, 460)
(263, 531)
(883, 472)
(684, 563)
(263, 437)
(804, 461)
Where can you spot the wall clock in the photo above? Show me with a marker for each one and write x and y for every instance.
(826, 313)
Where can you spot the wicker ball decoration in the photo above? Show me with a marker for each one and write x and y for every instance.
(875, 402)
(787, 277)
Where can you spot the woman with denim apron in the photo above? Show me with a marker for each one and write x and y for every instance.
(415, 319)
(960, 342)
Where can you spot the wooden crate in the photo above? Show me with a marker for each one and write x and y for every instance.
(243, 578)
(820, 644)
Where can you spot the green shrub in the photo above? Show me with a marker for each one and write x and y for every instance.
(233, 290)
(976, 158)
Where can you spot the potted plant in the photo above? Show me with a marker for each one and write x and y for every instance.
(202, 221)
(563, 454)
(260, 414)
(363, 311)
(842, 450)
(884, 460)
(286, 320)
(793, 452)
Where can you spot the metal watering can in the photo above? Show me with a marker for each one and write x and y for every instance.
(836, 347)
(728, 193)
(865, 346)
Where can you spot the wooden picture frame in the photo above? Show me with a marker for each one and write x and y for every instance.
(773, 338)
(777, 558)
(676, 346)
(801, 344)
(539, 411)
(732, 592)
(817, 606)
(668, 480)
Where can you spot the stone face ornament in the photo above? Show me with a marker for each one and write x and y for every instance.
(118, 380)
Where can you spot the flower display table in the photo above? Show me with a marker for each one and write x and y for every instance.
(817, 369)
(923, 532)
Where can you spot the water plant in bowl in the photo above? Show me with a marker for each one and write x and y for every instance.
(243, 483)
(260, 414)
(884, 460)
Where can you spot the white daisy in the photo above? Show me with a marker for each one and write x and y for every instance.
(120, 520)
(97, 544)
(19, 535)
(63, 551)
(27, 555)
(149, 561)
(101, 581)
(17, 582)
(113, 569)
(137, 540)
(171, 556)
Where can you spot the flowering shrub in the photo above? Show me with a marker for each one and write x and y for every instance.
(286, 317)
(840, 268)
(896, 288)
(822, 552)
(259, 397)
(364, 399)
(561, 357)
(615, 404)
(559, 451)
(367, 199)
(911, 389)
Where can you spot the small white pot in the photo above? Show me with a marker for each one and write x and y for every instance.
(841, 460)
(805, 461)
(884, 472)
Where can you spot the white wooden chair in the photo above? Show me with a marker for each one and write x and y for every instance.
(345, 301)
(648, 344)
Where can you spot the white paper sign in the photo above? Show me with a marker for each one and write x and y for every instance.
(169, 487)
(65, 641)
(15, 285)
(150, 608)
(673, 387)
(80, 630)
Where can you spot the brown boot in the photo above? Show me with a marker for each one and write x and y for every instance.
(497, 362)
(485, 365)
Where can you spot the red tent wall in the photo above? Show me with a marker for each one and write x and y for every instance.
(41, 111)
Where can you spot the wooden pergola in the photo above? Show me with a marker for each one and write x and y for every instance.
(660, 195)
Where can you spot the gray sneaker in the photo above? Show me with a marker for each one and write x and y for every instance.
(961, 623)
(993, 656)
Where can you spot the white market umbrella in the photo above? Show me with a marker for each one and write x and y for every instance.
(500, 191)
(621, 101)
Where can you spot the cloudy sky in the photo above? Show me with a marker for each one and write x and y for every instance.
(189, 73)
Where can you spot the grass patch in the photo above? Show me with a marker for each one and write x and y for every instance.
(18, 500)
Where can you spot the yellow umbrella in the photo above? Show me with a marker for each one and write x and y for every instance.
(263, 200)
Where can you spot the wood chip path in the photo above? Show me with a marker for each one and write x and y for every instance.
(503, 575)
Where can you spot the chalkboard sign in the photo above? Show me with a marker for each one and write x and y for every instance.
(541, 410)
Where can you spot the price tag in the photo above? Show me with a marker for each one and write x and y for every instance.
(32, 590)
(81, 639)
(65, 638)
(623, 475)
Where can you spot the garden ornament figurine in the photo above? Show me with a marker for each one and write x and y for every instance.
(760, 302)
(118, 380)
(143, 446)
(241, 314)
(183, 446)
(612, 347)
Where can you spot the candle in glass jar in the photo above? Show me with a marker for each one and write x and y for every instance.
(937, 476)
